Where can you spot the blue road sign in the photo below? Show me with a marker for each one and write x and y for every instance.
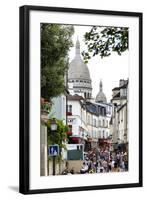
(53, 150)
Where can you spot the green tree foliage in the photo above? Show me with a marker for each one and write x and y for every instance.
(103, 41)
(55, 44)
(59, 136)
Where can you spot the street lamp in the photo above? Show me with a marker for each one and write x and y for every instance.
(53, 129)
(53, 125)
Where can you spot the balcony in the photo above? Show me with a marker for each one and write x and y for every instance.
(68, 113)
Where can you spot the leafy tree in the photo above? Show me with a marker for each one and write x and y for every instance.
(103, 41)
(55, 44)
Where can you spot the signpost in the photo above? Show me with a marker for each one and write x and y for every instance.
(53, 150)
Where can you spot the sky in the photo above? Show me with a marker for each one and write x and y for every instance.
(109, 69)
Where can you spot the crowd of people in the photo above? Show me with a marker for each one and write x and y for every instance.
(103, 160)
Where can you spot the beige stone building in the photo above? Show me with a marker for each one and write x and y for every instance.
(119, 121)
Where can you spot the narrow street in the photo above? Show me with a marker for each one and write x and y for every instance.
(102, 161)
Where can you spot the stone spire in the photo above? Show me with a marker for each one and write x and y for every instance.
(77, 47)
(100, 86)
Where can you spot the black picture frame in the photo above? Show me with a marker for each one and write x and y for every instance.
(24, 147)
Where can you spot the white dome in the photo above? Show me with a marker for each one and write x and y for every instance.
(101, 98)
(78, 69)
(79, 75)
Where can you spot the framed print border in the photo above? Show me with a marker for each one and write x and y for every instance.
(24, 133)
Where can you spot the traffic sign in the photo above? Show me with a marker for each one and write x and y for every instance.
(53, 150)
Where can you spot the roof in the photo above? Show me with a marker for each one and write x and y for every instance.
(104, 104)
(94, 108)
(122, 106)
(116, 95)
(120, 87)
(75, 97)
(116, 88)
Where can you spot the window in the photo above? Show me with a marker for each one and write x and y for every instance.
(122, 113)
(100, 110)
(123, 92)
(99, 134)
(70, 128)
(107, 123)
(103, 111)
(63, 106)
(103, 123)
(118, 118)
(94, 134)
(88, 119)
(106, 134)
(99, 122)
(109, 110)
(103, 134)
(94, 122)
(69, 108)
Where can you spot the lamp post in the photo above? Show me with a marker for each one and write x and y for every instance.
(53, 129)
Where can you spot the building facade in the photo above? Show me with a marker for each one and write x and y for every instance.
(88, 118)
(76, 119)
(58, 110)
(119, 121)
(88, 122)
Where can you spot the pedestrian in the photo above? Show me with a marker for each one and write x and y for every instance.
(126, 165)
(109, 166)
(84, 168)
(122, 166)
(116, 168)
(118, 159)
(105, 165)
